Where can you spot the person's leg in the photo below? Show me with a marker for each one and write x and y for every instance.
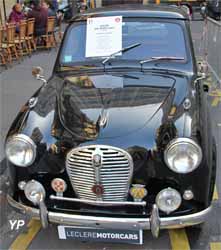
(38, 34)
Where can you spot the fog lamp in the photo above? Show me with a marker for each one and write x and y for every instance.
(168, 200)
(34, 191)
(59, 186)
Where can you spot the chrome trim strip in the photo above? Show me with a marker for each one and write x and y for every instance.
(113, 222)
(99, 203)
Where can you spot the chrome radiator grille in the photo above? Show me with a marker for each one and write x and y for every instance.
(113, 174)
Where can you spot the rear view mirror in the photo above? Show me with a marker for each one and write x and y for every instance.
(203, 67)
(37, 71)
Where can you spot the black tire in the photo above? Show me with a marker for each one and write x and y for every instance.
(2, 166)
(213, 176)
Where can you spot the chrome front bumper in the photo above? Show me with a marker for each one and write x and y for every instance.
(154, 223)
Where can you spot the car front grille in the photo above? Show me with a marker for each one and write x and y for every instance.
(113, 175)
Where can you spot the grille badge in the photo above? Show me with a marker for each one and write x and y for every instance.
(98, 189)
(97, 160)
(138, 192)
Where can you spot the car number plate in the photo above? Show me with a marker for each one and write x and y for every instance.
(101, 235)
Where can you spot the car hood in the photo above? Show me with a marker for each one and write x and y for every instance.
(113, 105)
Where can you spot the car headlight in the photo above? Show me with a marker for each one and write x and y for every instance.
(183, 155)
(20, 150)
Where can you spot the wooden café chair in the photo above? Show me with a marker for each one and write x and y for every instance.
(30, 34)
(9, 43)
(2, 51)
(20, 40)
(49, 37)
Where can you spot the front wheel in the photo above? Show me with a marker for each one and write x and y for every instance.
(213, 175)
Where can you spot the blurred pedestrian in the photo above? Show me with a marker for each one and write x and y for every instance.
(47, 4)
(41, 17)
(55, 5)
(16, 15)
(83, 7)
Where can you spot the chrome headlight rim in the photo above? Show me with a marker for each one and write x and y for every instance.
(181, 140)
(26, 139)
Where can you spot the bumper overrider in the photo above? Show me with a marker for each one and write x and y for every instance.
(154, 223)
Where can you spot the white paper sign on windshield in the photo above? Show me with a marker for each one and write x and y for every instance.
(104, 36)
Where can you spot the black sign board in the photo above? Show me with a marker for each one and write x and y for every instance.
(101, 235)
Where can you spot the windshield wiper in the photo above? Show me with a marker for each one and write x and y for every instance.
(119, 51)
(158, 58)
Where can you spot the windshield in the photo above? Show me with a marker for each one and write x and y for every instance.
(157, 39)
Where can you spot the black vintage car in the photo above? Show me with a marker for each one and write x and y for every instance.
(121, 141)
